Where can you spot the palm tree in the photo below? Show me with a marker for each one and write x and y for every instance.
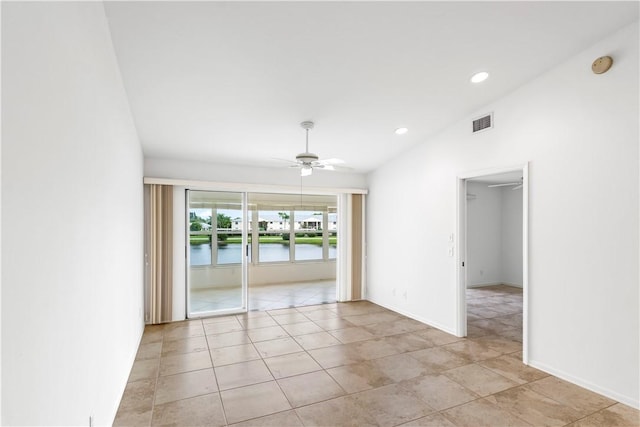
(284, 217)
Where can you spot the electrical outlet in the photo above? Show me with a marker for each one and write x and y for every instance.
(405, 294)
(393, 292)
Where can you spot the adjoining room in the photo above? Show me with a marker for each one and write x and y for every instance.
(494, 255)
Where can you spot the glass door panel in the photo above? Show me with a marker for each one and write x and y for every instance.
(216, 261)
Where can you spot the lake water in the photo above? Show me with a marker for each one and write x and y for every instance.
(231, 253)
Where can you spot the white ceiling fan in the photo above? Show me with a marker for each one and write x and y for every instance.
(308, 161)
(517, 185)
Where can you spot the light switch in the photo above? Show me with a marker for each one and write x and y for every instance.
(450, 251)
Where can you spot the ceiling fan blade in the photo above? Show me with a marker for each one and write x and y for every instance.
(330, 162)
(284, 160)
(325, 167)
(333, 168)
(339, 168)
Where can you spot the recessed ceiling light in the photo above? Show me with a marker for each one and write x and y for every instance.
(479, 77)
(401, 131)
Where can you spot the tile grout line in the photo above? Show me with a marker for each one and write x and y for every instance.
(155, 384)
(213, 369)
(291, 407)
(377, 338)
(593, 413)
(322, 369)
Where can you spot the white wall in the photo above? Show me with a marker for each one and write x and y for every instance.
(484, 235)
(494, 235)
(265, 274)
(580, 133)
(72, 210)
(203, 277)
(285, 176)
(0, 233)
(511, 248)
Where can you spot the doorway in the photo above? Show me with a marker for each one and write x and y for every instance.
(259, 251)
(293, 260)
(216, 255)
(493, 258)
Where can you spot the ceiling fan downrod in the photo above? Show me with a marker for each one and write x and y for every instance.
(308, 125)
(306, 158)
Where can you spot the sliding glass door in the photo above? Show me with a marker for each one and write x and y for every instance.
(217, 253)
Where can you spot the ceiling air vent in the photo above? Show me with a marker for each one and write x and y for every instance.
(483, 123)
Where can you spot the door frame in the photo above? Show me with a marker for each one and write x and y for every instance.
(461, 227)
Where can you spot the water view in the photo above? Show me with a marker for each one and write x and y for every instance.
(231, 253)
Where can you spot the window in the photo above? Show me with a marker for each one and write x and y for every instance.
(308, 235)
(293, 227)
(229, 236)
(200, 236)
(274, 235)
(333, 235)
(214, 221)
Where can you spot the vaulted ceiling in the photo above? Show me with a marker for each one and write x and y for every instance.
(229, 82)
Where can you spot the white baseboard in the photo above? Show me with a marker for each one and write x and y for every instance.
(413, 316)
(482, 285)
(123, 385)
(538, 365)
(586, 384)
(515, 285)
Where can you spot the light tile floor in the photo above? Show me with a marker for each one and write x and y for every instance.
(353, 364)
(265, 297)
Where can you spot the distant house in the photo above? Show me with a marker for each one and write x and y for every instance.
(236, 223)
(311, 223)
(203, 225)
(273, 222)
